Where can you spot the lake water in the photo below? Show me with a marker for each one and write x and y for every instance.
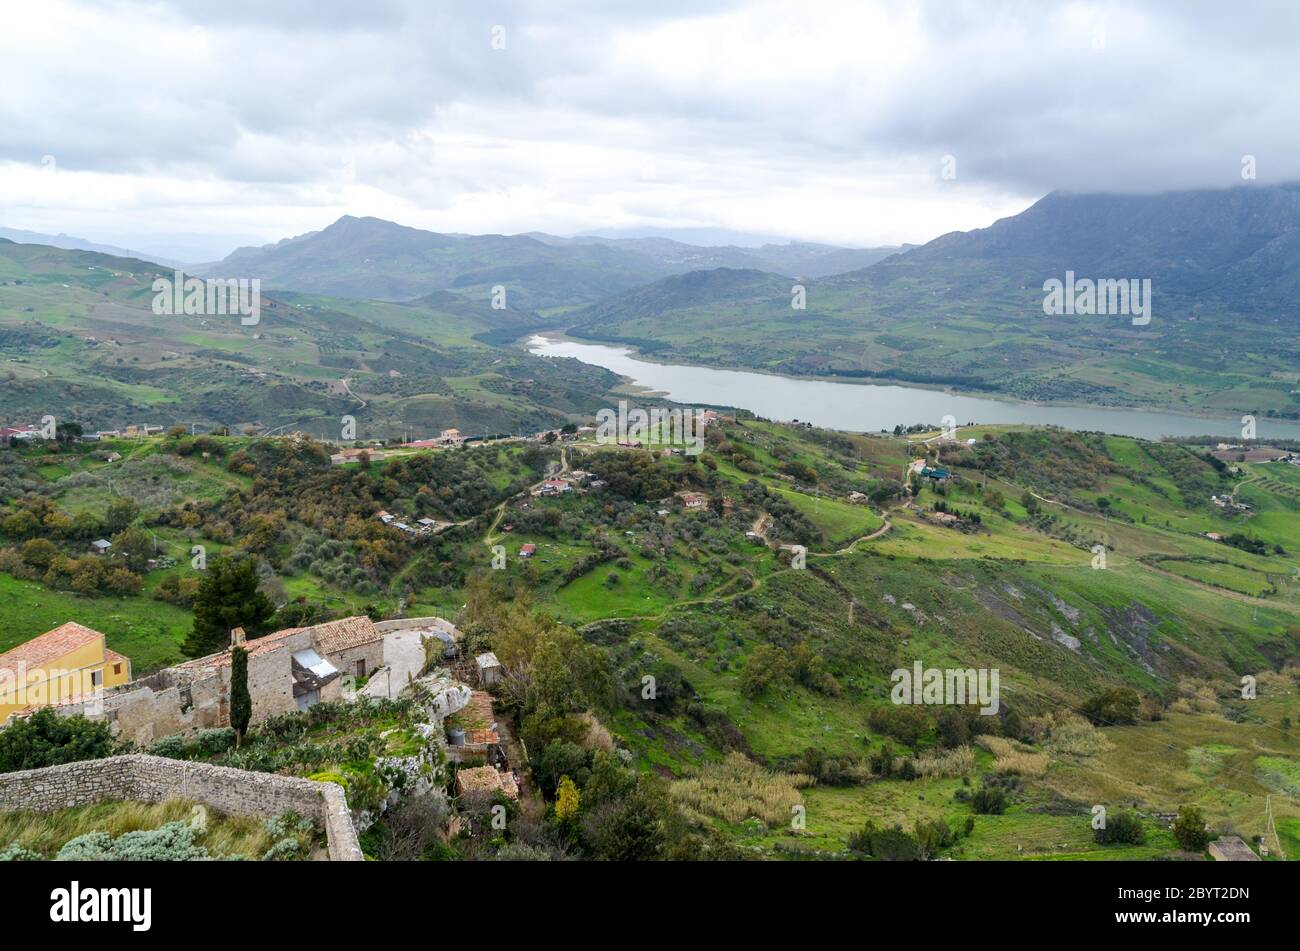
(860, 407)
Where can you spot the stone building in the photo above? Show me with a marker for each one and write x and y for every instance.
(288, 671)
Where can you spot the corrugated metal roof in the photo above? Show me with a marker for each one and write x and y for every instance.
(315, 663)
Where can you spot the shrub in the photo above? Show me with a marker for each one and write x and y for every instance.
(903, 722)
(16, 853)
(886, 845)
(173, 842)
(172, 747)
(215, 742)
(1123, 827)
(47, 739)
(1114, 707)
(1189, 830)
(989, 801)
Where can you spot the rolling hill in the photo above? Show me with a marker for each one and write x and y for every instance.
(372, 258)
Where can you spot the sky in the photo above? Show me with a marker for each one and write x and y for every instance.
(190, 126)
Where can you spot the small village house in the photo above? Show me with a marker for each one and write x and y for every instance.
(489, 668)
(68, 662)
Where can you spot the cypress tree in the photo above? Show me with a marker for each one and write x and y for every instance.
(241, 703)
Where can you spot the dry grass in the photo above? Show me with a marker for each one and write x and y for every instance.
(737, 789)
(46, 832)
(1013, 757)
(1074, 736)
(945, 764)
(1196, 696)
(598, 737)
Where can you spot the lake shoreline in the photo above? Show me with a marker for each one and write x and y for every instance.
(1219, 427)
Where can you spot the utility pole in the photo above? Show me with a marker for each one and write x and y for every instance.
(1270, 829)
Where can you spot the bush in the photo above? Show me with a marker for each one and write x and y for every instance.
(1115, 707)
(173, 842)
(172, 747)
(989, 801)
(886, 845)
(16, 853)
(903, 722)
(47, 739)
(1189, 830)
(1123, 827)
(215, 742)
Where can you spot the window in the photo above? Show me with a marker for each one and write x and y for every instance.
(96, 678)
(117, 668)
(361, 667)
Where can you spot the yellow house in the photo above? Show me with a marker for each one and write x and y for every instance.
(68, 662)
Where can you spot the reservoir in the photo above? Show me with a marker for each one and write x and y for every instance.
(871, 407)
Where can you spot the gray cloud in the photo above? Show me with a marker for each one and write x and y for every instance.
(827, 120)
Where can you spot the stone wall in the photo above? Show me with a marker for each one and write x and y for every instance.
(406, 623)
(156, 779)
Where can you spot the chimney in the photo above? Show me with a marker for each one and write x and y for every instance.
(237, 637)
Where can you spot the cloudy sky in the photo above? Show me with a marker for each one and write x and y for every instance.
(852, 122)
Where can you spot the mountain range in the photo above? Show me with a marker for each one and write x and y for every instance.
(370, 257)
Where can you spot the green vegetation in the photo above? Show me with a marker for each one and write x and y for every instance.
(175, 830)
(687, 637)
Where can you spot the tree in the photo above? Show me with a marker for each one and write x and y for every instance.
(39, 552)
(567, 800)
(1189, 830)
(136, 545)
(632, 829)
(47, 739)
(122, 511)
(228, 597)
(766, 667)
(241, 704)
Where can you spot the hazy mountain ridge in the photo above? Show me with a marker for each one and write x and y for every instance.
(373, 258)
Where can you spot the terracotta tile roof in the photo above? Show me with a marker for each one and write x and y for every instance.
(478, 714)
(478, 779)
(49, 646)
(327, 638)
(481, 737)
(485, 779)
(349, 632)
(258, 645)
(508, 785)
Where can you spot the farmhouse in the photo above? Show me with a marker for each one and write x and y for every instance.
(693, 500)
(528, 550)
(68, 662)
(344, 456)
(100, 546)
(553, 487)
